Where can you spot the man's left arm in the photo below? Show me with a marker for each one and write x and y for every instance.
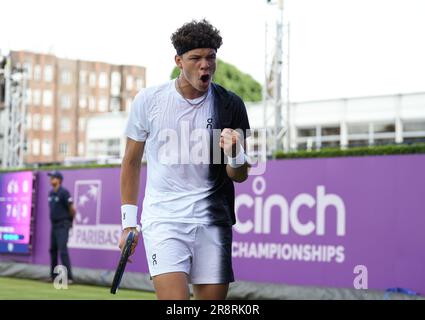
(72, 210)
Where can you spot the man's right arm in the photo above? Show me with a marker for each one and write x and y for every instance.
(130, 180)
(130, 171)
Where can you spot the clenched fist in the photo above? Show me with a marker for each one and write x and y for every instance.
(230, 142)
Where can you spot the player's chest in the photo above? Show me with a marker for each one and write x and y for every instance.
(182, 117)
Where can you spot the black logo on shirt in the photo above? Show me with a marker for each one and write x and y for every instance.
(209, 123)
(154, 259)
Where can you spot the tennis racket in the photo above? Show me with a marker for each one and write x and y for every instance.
(125, 254)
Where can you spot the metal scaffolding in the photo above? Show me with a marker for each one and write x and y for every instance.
(13, 115)
(276, 88)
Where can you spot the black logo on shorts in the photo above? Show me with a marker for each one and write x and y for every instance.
(154, 259)
(209, 123)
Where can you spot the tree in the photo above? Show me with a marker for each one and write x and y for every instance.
(234, 80)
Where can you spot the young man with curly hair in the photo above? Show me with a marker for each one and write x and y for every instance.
(188, 206)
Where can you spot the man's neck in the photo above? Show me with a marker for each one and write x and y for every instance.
(56, 188)
(186, 89)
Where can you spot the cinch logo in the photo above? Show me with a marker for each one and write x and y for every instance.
(260, 221)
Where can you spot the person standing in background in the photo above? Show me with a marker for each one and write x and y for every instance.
(62, 213)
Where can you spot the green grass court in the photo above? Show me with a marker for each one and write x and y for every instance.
(23, 289)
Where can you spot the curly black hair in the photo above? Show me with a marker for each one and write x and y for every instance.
(196, 34)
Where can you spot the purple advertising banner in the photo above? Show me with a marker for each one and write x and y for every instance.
(15, 211)
(93, 241)
(324, 222)
(313, 222)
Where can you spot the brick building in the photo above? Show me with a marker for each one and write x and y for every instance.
(63, 93)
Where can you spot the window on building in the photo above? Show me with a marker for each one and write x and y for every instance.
(307, 132)
(383, 133)
(66, 77)
(129, 82)
(361, 128)
(92, 79)
(46, 148)
(35, 147)
(63, 148)
(414, 126)
(103, 80)
(37, 72)
(83, 77)
(28, 69)
(383, 127)
(115, 83)
(65, 124)
(28, 96)
(330, 131)
(140, 84)
(358, 134)
(28, 121)
(83, 101)
(380, 142)
(330, 144)
(128, 103)
(91, 149)
(47, 123)
(36, 97)
(36, 124)
(103, 104)
(92, 103)
(414, 132)
(82, 124)
(413, 140)
(310, 144)
(358, 143)
(65, 101)
(47, 98)
(81, 148)
(115, 104)
(109, 147)
(113, 147)
(48, 73)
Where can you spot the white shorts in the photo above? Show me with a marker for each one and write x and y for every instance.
(203, 252)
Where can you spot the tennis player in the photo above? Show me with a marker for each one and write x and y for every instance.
(188, 206)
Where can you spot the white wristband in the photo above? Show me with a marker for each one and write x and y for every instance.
(239, 160)
(129, 216)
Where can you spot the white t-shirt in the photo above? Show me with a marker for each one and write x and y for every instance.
(177, 137)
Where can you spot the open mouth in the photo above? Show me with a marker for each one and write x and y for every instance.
(205, 78)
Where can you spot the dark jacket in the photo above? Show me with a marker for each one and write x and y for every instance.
(59, 203)
(230, 112)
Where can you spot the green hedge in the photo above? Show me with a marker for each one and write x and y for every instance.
(353, 152)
